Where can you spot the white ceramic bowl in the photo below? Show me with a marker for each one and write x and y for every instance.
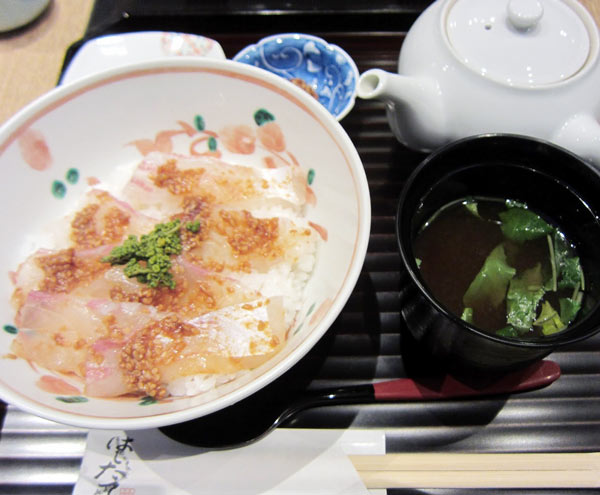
(83, 131)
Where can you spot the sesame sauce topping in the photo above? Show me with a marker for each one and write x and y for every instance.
(157, 344)
(95, 226)
(63, 270)
(177, 181)
(247, 234)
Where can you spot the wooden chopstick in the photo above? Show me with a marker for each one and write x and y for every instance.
(475, 462)
(458, 470)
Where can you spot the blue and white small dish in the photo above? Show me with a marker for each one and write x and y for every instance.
(325, 68)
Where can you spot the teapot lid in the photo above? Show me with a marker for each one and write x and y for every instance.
(519, 42)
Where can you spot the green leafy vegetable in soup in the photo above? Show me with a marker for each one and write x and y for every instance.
(502, 267)
(567, 266)
(523, 297)
(489, 286)
(520, 224)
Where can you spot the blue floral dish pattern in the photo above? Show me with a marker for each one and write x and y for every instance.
(326, 68)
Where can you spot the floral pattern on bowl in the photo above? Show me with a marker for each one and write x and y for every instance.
(309, 61)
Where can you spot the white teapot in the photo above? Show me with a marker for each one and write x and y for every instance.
(469, 67)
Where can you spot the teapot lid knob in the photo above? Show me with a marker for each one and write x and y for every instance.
(524, 14)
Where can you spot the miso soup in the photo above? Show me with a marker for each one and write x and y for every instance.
(501, 267)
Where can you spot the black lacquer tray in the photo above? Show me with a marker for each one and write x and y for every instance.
(368, 341)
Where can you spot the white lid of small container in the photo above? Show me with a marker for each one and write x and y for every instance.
(519, 42)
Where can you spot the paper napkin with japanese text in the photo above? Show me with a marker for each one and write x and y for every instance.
(288, 461)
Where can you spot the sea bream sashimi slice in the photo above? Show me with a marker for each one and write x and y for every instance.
(104, 375)
(238, 241)
(57, 271)
(161, 181)
(196, 290)
(58, 331)
(228, 341)
(157, 359)
(55, 332)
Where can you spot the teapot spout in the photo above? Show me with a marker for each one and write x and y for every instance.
(413, 104)
(581, 134)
